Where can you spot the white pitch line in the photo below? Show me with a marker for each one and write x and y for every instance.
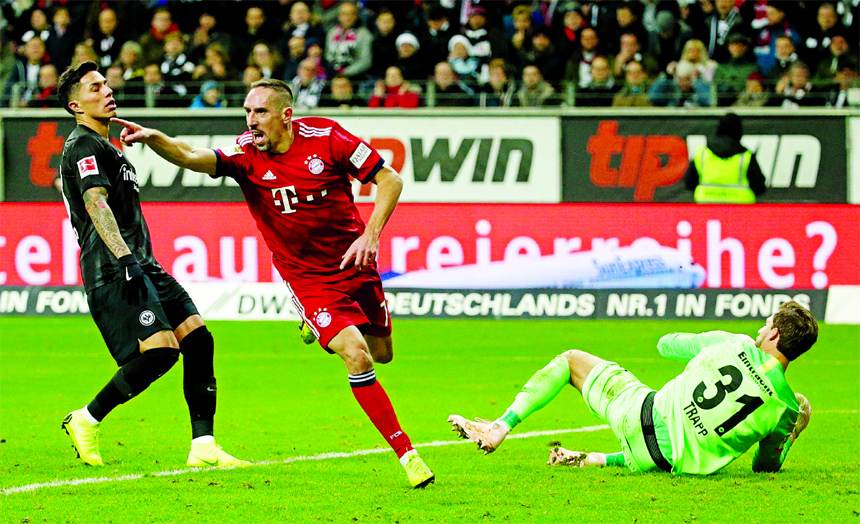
(321, 456)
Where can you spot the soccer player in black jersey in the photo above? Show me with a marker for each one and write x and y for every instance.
(145, 317)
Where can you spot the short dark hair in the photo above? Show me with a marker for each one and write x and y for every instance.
(730, 125)
(798, 330)
(70, 82)
(282, 90)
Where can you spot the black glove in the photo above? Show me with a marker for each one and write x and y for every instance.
(135, 285)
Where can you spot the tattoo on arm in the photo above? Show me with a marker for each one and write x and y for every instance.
(95, 200)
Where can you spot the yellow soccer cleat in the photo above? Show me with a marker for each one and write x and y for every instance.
(417, 471)
(307, 335)
(85, 437)
(210, 454)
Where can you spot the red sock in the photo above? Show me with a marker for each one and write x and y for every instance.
(373, 400)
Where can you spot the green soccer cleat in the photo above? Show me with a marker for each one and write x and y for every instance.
(210, 454)
(307, 335)
(85, 437)
(417, 471)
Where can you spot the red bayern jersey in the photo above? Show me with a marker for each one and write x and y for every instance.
(302, 199)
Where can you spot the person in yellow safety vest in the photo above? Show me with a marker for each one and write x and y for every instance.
(724, 171)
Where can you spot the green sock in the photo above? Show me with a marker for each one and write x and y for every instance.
(616, 459)
(544, 386)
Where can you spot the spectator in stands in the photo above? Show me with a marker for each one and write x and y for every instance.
(600, 14)
(730, 78)
(296, 52)
(486, 42)
(696, 55)
(394, 91)
(62, 38)
(176, 68)
(267, 58)
(384, 46)
(84, 52)
(686, 89)
(835, 61)
(47, 94)
(39, 27)
(205, 35)
(845, 79)
(107, 41)
(545, 56)
(755, 94)
(435, 38)
(211, 96)
(572, 25)
(449, 91)
(602, 89)
(340, 93)
(630, 51)
(348, 45)
(7, 60)
(629, 22)
(461, 60)
(784, 58)
(501, 89)
(131, 61)
(634, 92)
(778, 25)
(257, 29)
(667, 41)
(409, 61)
(578, 70)
(521, 41)
(819, 36)
(25, 74)
(795, 90)
(307, 88)
(157, 93)
(152, 43)
(535, 91)
(722, 19)
(250, 75)
(302, 23)
(216, 66)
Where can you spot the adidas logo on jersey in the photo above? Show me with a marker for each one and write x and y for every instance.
(269, 176)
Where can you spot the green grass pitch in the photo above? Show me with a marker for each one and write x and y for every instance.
(281, 402)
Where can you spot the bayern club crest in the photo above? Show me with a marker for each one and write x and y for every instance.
(315, 164)
(323, 319)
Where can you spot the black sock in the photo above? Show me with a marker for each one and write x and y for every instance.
(201, 391)
(132, 378)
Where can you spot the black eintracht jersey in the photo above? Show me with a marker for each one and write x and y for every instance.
(90, 160)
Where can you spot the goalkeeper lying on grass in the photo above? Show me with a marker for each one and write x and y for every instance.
(732, 394)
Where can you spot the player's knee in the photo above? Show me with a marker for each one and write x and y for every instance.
(357, 359)
(382, 351)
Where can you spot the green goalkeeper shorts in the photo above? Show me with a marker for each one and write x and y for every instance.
(615, 395)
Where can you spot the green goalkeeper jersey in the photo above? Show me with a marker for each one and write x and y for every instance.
(730, 396)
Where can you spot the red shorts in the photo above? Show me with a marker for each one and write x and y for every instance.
(330, 307)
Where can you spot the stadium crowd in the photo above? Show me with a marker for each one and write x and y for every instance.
(448, 53)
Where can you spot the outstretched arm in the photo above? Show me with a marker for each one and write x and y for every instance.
(365, 248)
(174, 151)
(685, 346)
(773, 449)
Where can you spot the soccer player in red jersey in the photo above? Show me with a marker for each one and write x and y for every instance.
(295, 178)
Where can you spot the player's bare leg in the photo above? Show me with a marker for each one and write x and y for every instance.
(352, 347)
(579, 459)
(381, 349)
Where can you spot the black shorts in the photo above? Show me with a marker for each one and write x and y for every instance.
(123, 325)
